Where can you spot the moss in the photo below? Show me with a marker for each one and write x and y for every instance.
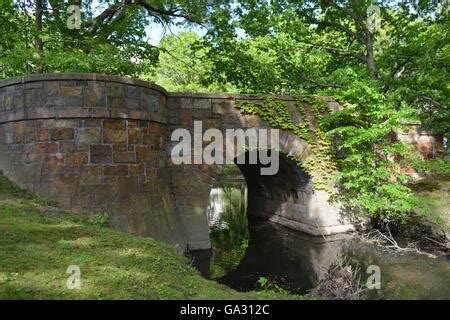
(275, 112)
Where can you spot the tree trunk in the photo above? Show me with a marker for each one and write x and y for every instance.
(38, 44)
(371, 64)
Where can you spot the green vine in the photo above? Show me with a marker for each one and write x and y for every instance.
(275, 112)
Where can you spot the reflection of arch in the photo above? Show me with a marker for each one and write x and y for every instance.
(293, 260)
(290, 259)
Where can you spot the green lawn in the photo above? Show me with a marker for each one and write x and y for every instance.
(436, 191)
(39, 241)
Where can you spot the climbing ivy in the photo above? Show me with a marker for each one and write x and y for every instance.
(273, 110)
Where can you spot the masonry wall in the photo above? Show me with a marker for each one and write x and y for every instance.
(95, 144)
(98, 143)
(286, 198)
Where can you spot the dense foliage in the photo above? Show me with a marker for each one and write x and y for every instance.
(387, 62)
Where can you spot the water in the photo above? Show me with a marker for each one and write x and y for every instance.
(294, 261)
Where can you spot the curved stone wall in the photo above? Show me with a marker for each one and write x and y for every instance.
(95, 144)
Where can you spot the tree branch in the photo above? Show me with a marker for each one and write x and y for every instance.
(338, 51)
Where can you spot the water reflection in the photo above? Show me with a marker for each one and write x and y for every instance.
(227, 216)
(245, 251)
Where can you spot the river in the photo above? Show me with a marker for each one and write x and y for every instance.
(247, 254)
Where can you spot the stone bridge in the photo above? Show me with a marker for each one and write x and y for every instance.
(99, 143)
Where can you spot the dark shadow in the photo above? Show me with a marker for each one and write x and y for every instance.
(267, 193)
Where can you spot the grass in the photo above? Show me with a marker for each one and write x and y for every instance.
(436, 191)
(39, 241)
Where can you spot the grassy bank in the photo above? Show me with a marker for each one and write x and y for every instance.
(39, 241)
(436, 191)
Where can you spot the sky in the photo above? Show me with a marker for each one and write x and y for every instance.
(154, 30)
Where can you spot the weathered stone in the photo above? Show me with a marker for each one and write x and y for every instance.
(114, 136)
(53, 101)
(120, 147)
(67, 147)
(143, 154)
(90, 175)
(121, 170)
(114, 124)
(89, 135)
(137, 169)
(124, 157)
(45, 148)
(77, 158)
(62, 134)
(70, 91)
(134, 135)
(157, 128)
(128, 185)
(24, 132)
(101, 154)
(96, 123)
(202, 104)
(52, 165)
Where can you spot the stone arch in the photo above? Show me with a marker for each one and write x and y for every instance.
(102, 143)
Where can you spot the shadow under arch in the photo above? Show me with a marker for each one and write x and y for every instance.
(294, 260)
(285, 194)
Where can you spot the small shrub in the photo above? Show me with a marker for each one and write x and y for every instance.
(100, 219)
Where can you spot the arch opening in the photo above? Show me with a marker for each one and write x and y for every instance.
(240, 198)
(280, 197)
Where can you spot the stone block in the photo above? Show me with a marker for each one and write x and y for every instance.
(67, 147)
(62, 134)
(121, 170)
(52, 165)
(32, 98)
(90, 175)
(77, 158)
(51, 88)
(89, 135)
(201, 103)
(101, 153)
(73, 101)
(136, 169)
(135, 135)
(70, 91)
(120, 147)
(157, 128)
(106, 194)
(24, 132)
(114, 89)
(53, 102)
(114, 136)
(150, 102)
(95, 123)
(45, 148)
(124, 157)
(128, 185)
(143, 154)
(114, 124)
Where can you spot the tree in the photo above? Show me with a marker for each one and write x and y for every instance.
(111, 41)
(384, 76)
(182, 66)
